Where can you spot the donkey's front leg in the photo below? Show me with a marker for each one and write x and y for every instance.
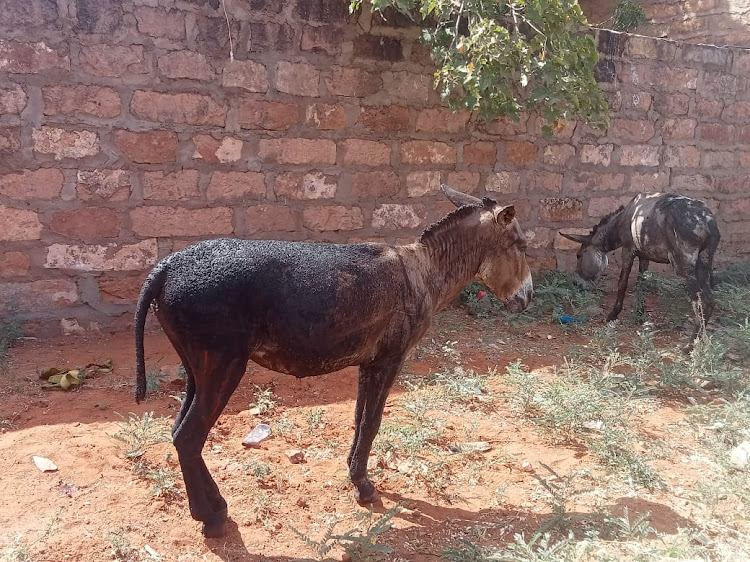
(375, 381)
(627, 264)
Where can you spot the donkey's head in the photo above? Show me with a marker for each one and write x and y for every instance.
(592, 259)
(503, 268)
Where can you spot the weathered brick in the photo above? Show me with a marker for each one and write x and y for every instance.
(186, 64)
(676, 78)
(312, 185)
(193, 109)
(94, 16)
(109, 257)
(65, 144)
(178, 221)
(708, 108)
(421, 54)
(39, 296)
(741, 62)
(535, 181)
(88, 223)
(718, 133)
(353, 82)
(299, 79)
(45, 183)
(325, 117)
(650, 182)
(98, 101)
(408, 87)
(332, 218)
(366, 153)
(12, 100)
(269, 115)
(632, 130)
(597, 154)
(464, 180)
(717, 159)
(10, 140)
(427, 152)
(209, 149)
(30, 58)
(113, 60)
(19, 224)
(325, 11)
(14, 264)
(246, 74)
(639, 101)
(268, 36)
(390, 216)
(32, 13)
(321, 39)
(600, 206)
(384, 119)
(539, 237)
(691, 182)
(678, 129)
(504, 182)
(707, 56)
(236, 186)
(719, 85)
(158, 22)
(442, 120)
(650, 48)
(737, 111)
(212, 35)
(673, 103)
(419, 184)
(270, 218)
(506, 127)
(744, 158)
(376, 184)
(520, 152)
(120, 289)
(148, 147)
(736, 209)
(378, 47)
(562, 129)
(735, 183)
(586, 182)
(298, 151)
(558, 154)
(743, 134)
(639, 155)
(103, 185)
(181, 185)
(681, 157)
(560, 210)
(481, 152)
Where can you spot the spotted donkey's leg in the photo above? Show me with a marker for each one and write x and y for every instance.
(627, 264)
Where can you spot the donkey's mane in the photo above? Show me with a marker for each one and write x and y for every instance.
(606, 218)
(448, 221)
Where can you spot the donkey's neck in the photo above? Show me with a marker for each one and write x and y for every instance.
(448, 262)
(611, 233)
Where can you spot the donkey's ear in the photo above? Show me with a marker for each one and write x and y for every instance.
(580, 238)
(504, 215)
(459, 199)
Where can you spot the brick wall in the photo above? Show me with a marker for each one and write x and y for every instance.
(126, 132)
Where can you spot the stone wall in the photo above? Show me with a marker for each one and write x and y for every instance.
(127, 132)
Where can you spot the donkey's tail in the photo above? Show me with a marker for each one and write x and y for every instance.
(150, 290)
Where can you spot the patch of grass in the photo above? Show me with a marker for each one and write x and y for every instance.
(628, 15)
(139, 433)
(259, 469)
(10, 331)
(154, 379)
(361, 543)
(265, 400)
(121, 550)
(314, 418)
(164, 480)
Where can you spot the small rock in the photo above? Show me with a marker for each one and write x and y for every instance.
(45, 465)
(526, 466)
(295, 456)
(740, 455)
(254, 411)
(470, 447)
(258, 434)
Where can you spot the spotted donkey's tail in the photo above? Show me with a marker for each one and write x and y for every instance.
(150, 290)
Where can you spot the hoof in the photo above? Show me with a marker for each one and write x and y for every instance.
(213, 530)
(365, 493)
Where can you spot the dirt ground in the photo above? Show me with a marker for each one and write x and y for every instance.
(96, 507)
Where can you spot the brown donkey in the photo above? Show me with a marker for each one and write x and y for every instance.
(306, 309)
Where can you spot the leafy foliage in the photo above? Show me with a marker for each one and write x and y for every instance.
(508, 57)
(628, 15)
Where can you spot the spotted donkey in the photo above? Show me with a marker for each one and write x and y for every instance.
(306, 309)
(659, 227)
